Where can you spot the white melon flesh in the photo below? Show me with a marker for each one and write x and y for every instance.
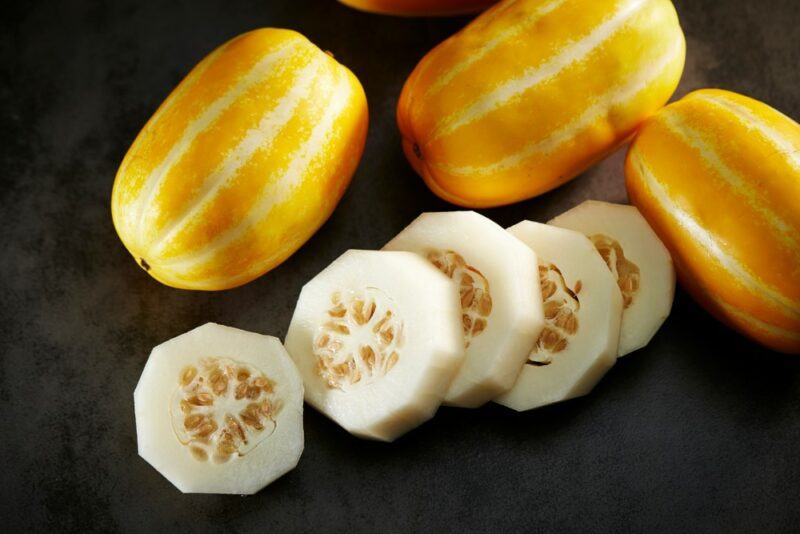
(636, 257)
(501, 301)
(377, 339)
(582, 309)
(220, 410)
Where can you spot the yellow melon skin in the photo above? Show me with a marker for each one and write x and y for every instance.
(717, 176)
(242, 163)
(419, 8)
(533, 92)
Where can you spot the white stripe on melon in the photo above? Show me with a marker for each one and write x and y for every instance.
(739, 184)
(571, 54)
(259, 138)
(687, 222)
(598, 109)
(210, 114)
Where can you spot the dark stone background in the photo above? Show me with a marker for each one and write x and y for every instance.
(698, 432)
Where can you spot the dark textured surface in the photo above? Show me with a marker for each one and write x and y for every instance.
(700, 431)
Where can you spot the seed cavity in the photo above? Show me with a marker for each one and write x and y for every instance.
(561, 306)
(625, 271)
(218, 409)
(473, 287)
(359, 341)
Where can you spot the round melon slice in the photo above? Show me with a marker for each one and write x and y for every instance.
(501, 312)
(377, 339)
(637, 258)
(220, 410)
(582, 310)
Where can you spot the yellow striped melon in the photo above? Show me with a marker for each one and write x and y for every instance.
(410, 8)
(242, 163)
(533, 92)
(717, 175)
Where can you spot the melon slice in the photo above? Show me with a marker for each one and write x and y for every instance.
(582, 309)
(220, 410)
(377, 339)
(501, 310)
(637, 258)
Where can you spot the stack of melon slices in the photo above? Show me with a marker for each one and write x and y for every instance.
(454, 310)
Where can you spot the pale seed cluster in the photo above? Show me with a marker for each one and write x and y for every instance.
(360, 341)
(561, 307)
(625, 271)
(223, 409)
(473, 288)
